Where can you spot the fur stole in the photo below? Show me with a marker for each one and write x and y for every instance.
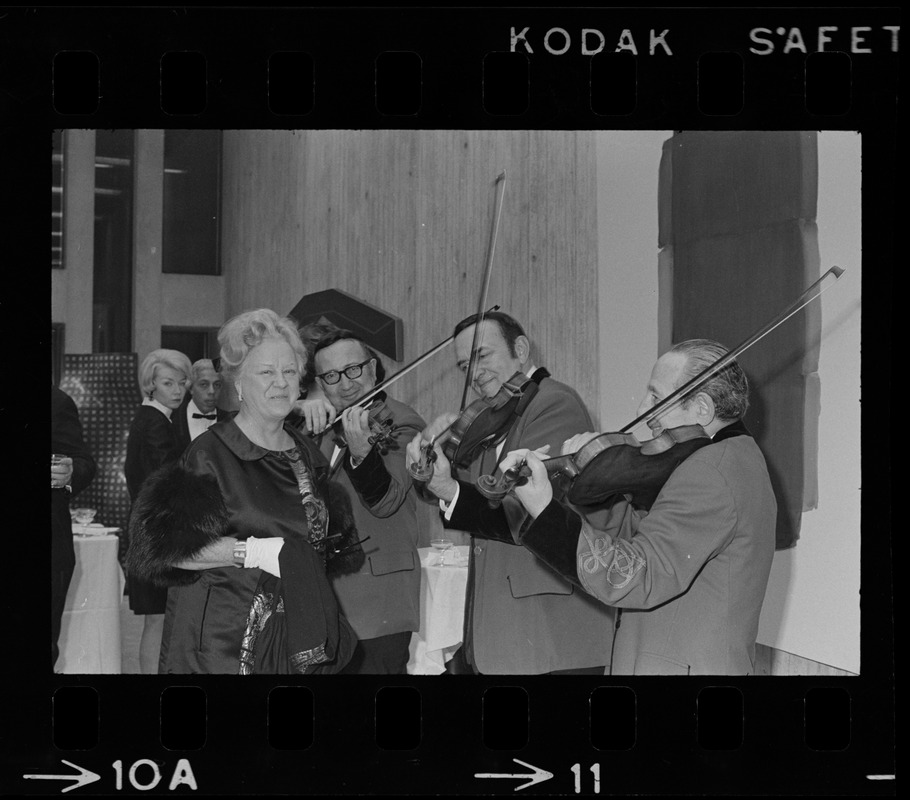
(178, 513)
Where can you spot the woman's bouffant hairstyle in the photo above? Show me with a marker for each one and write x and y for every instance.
(242, 333)
(150, 365)
(729, 389)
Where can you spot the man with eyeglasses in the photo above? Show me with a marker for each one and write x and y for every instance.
(382, 599)
(521, 617)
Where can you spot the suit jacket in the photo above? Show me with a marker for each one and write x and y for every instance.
(690, 574)
(384, 596)
(524, 618)
(152, 443)
(182, 424)
(66, 438)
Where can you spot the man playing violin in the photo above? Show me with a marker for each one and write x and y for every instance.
(688, 576)
(521, 617)
(382, 599)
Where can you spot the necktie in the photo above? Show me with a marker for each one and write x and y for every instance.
(205, 416)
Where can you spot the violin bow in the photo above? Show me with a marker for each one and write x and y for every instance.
(406, 369)
(677, 395)
(425, 469)
(500, 185)
(489, 485)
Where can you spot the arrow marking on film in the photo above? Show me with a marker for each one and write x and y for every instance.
(537, 776)
(84, 777)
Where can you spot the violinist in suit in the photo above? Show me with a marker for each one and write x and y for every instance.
(687, 576)
(199, 409)
(382, 599)
(521, 616)
(70, 476)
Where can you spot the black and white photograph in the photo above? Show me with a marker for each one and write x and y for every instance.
(601, 251)
(456, 402)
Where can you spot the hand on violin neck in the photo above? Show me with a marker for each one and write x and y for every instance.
(536, 492)
(576, 442)
(440, 483)
(355, 423)
(317, 412)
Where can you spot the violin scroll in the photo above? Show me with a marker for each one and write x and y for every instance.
(495, 489)
(379, 419)
(382, 426)
(422, 470)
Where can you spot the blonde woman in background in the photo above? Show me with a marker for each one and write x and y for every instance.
(152, 443)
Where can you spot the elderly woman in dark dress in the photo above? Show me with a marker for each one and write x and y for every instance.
(241, 527)
(152, 443)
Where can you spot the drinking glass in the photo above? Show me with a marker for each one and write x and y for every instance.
(84, 516)
(56, 458)
(441, 545)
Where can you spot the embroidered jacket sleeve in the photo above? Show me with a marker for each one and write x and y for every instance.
(638, 559)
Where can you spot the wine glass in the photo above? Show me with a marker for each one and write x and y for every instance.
(84, 516)
(441, 545)
(56, 460)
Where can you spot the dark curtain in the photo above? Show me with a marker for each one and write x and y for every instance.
(738, 217)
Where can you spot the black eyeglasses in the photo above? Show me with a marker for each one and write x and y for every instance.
(354, 371)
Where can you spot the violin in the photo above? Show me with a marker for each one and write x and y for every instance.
(380, 421)
(608, 465)
(481, 425)
(617, 463)
(486, 421)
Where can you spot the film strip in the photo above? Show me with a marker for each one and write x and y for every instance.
(479, 69)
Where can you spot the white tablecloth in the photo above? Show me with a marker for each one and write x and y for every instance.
(442, 595)
(90, 630)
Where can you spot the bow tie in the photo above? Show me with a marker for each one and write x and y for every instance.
(205, 416)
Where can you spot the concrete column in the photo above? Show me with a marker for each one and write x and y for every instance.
(148, 194)
(628, 164)
(78, 238)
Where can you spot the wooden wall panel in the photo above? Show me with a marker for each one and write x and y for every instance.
(401, 219)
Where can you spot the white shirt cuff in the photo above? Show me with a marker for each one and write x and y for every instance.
(448, 508)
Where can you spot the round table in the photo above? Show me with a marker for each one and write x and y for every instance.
(90, 629)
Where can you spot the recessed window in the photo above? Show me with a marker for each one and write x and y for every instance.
(192, 202)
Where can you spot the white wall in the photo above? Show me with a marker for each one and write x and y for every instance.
(812, 605)
(627, 170)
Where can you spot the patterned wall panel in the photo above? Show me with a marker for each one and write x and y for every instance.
(104, 388)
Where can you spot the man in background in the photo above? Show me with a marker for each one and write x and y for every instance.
(199, 410)
(71, 471)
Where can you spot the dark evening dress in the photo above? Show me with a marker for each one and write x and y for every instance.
(216, 620)
(152, 444)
